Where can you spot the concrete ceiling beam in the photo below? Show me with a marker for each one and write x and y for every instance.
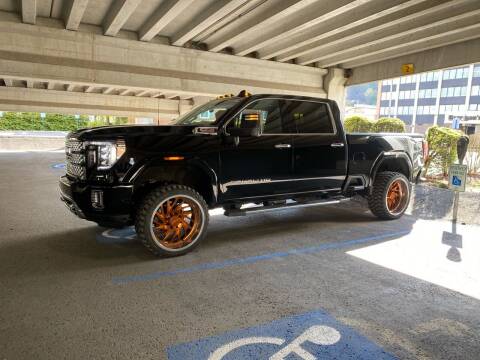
(218, 10)
(300, 44)
(38, 100)
(452, 55)
(265, 15)
(86, 59)
(402, 26)
(301, 21)
(426, 35)
(29, 11)
(118, 14)
(165, 14)
(74, 13)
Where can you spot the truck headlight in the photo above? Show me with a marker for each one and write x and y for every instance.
(105, 153)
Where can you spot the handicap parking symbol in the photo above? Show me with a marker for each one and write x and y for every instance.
(456, 181)
(310, 336)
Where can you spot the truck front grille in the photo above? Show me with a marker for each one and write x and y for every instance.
(75, 159)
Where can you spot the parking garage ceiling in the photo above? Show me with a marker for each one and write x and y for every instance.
(323, 32)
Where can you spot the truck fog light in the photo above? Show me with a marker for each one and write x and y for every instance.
(97, 199)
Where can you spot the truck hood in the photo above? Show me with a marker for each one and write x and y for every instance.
(126, 131)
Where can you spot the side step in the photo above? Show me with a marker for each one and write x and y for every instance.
(292, 204)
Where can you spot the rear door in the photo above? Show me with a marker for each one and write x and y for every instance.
(319, 149)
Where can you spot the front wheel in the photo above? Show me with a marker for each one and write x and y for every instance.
(172, 220)
(390, 195)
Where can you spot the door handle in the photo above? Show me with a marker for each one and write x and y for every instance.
(337, 144)
(283, 146)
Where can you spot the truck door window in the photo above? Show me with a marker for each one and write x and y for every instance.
(309, 117)
(264, 112)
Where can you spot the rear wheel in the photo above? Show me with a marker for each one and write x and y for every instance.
(172, 220)
(390, 195)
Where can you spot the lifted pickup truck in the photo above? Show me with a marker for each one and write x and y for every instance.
(275, 151)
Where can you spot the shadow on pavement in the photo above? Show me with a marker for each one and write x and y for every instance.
(80, 249)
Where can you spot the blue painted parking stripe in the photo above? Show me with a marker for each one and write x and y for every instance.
(254, 259)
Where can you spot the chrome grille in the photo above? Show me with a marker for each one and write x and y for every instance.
(75, 159)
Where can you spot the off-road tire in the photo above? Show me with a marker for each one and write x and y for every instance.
(145, 212)
(377, 200)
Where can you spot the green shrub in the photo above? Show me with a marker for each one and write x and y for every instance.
(54, 122)
(357, 124)
(442, 145)
(389, 125)
(33, 121)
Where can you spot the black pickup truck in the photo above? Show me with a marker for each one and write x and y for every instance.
(274, 151)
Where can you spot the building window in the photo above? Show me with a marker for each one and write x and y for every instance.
(476, 71)
(475, 90)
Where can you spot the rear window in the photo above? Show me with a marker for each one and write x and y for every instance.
(308, 117)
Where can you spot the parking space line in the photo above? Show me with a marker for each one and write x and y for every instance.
(254, 259)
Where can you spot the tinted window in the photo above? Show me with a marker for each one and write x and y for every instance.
(309, 117)
(267, 112)
(207, 114)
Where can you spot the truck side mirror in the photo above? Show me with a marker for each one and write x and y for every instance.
(246, 125)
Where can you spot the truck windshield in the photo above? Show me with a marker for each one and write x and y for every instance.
(207, 114)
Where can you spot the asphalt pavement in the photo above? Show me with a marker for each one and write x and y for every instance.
(325, 282)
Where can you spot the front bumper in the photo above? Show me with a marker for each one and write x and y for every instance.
(118, 202)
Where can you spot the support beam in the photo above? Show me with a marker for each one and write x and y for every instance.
(38, 100)
(463, 53)
(50, 85)
(125, 92)
(89, 89)
(8, 82)
(108, 90)
(267, 14)
(70, 87)
(328, 50)
(87, 59)
(304, 20)
(166, 13)
(143, 92)
(335, 85)
(29, 11)
(441, 38)
(218, 10)
(303, 43)
(74, 14)
(30, 84)
(118, 14)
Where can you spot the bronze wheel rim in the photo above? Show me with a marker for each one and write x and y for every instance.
(177, 222)
(397, 196)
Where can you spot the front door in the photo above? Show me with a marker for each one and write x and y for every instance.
(261, 164)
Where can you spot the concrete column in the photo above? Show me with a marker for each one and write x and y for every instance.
(334, 84)
(415, 104)
(437, 101)
(397, 94)
(469, 88)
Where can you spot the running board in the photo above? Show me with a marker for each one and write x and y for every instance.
(257, 209)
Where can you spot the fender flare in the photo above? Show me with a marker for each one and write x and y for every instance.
(384, 156)
(163, 170)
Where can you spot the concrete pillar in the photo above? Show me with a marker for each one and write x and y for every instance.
(334, 84)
